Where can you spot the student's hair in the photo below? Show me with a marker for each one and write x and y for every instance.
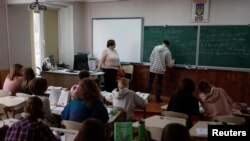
(15, 71)
(110, 42)
(38, 86)
(124, 81)
(166, 42)
(88, 91)
(84, 74)
(187, 86)
(204, 86)
(175, 132)
(28, 75)
(34, 107)
(92, 130)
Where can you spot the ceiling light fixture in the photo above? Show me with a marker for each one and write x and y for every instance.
(37, 7)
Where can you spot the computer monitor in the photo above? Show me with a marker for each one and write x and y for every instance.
(81, 62)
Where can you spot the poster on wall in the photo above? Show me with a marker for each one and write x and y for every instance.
(200, 10)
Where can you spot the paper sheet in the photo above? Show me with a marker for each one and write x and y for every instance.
(201, 131)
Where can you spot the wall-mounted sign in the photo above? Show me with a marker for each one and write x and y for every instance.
(200, 10)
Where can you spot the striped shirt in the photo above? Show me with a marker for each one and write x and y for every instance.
(29, 129)
(160, 58)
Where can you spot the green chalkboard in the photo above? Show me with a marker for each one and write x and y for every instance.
(183, 40)
(225, 46)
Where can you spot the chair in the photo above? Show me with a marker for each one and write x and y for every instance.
(24, 95)
(128, 69)
(72, 125)
(19, 108)
(2, 111)
(4, 93)
(229, 119)
(81, 62)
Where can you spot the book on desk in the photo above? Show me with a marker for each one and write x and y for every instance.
(59, 97)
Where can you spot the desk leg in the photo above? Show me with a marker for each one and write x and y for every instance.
(144, 112)
(6, 112)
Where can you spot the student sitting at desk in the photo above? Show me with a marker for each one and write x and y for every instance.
(82, 74)
(127, 99)
(30, 128)
(28, 75)
(14, 79)
(87, 103)
(175, 132)
(215, 101)
(38, 86)
(184, 101)
(92, 130)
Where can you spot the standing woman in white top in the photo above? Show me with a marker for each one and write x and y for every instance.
(110, 64)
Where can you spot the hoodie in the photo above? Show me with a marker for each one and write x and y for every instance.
(216, 103)
(160, 58)
(128, 100)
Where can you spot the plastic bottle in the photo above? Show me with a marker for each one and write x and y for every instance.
(141, 131)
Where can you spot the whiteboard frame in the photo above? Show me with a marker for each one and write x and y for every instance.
(118, 18)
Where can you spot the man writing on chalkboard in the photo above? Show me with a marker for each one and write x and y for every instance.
(160, 58)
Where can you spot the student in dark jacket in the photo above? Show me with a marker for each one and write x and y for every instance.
(184, 101)
(87, 103)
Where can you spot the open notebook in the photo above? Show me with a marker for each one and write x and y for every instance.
(59, 97)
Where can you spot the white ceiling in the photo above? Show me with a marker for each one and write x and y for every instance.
(31, 1)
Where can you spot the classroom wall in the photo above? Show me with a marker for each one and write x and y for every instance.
(157, 12)
(161, 12)
(50, 21)
(66, 36)
(19, 34)
(4, 53)
(79, 23)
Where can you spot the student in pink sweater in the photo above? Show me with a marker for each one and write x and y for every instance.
(110, 64)
(14, 79)
(215, 101)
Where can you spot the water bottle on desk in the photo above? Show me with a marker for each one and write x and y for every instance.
(141, 131)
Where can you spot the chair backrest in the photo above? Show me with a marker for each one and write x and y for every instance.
(23, 95)
(174, 114)
(81, 62)
(229, 119)
(128, 69)
(155, 133)
(72, 125)
(1, 109)
(4, 93)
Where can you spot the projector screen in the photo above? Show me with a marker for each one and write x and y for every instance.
(127, 34)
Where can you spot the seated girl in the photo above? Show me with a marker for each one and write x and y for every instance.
(28, 75)
(38, 86)
(87, 103)
(215, 101)
(14, 79)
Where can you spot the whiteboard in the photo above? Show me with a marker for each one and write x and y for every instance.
(127, 34)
